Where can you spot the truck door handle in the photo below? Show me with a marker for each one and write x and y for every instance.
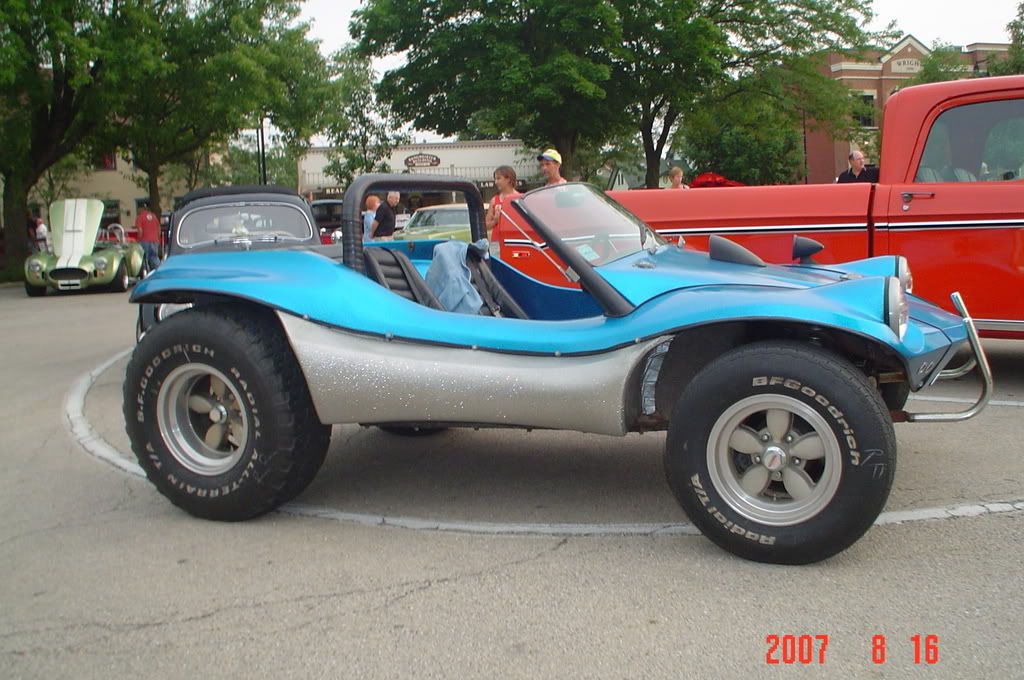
(909, 196)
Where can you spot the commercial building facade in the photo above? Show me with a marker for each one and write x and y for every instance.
(874, 77)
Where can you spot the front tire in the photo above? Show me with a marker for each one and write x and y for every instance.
(219, 414)
(781, 452)
(120, 282)
(34, 291)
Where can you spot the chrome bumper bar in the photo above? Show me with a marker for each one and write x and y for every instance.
(979, 360)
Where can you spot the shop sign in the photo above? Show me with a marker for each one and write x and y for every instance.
(422, 160)
(906, 65)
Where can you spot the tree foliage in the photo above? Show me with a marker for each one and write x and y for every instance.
(745, 137)
(539, 68)
(945, 62)
(1013, 63)
(225, 66)
(563, 73)
(159, 79)
(58, 180)
(64, 65)
(364, 130)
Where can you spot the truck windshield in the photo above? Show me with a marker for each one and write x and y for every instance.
(594, 225)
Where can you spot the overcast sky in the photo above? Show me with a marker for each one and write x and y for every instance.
(959, 22)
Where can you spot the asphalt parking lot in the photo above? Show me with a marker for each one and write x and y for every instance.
(515, 554)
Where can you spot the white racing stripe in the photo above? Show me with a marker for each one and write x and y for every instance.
(83, 432)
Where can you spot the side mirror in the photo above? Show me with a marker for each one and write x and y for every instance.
(804, 248)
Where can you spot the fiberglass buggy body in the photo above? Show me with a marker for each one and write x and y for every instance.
(770, 380)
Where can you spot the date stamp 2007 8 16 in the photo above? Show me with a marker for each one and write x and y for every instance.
(807, 650)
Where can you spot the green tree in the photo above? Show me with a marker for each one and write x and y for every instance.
(679, 51)
(538, 67)
(64, 66)
(595, 162)
(945, 62)
(1013, 63)
(671, 54)
(745, 138)
(225, 65)
(57, 180)
(364, 130)
(770, 108)
(239, 164)
(563, 73)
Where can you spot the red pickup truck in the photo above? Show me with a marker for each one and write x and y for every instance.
(950, 197)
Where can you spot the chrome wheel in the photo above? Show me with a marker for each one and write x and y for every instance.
(774, 460)
(201, 419)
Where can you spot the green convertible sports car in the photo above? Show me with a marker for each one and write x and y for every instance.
(79, 259)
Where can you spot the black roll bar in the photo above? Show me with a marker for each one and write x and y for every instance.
(355, 195)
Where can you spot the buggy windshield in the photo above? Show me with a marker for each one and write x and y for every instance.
(589, 222)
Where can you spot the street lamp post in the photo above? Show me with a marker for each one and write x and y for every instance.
(261, 153)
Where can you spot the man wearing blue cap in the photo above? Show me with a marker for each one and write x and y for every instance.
(551, 167)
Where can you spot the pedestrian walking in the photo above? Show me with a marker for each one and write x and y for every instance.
(148, 226)
(372, 203)
(383, 228)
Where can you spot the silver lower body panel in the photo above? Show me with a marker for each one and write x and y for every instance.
(359, 379)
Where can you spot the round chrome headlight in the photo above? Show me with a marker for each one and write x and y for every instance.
(35, 266)
(100, 263)
(904, 275)
(897, 311)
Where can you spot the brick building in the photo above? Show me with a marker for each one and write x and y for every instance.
(874, 76)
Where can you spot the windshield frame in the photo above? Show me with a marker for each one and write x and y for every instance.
(631, 226)
(607, 296)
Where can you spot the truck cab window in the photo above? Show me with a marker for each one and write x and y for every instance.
(975, 142)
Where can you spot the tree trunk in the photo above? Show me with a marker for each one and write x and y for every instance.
(655, 148)
(652, 160)
(566, 145)
(153, 175)
(15, 235)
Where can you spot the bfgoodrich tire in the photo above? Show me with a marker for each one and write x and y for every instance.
(781, 452)
(219, 415)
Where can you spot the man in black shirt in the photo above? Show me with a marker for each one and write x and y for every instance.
(857, 171)
(383, 228)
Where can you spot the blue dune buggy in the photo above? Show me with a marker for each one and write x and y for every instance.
(778, 385)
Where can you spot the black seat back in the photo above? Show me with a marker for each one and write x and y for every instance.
(396, 272)
(497, 301)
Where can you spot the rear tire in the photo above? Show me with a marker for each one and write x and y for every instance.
(34, 291)
(781, 452)
(219, 414)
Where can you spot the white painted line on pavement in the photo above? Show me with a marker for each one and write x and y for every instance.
(83, 432)
(959, 400)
